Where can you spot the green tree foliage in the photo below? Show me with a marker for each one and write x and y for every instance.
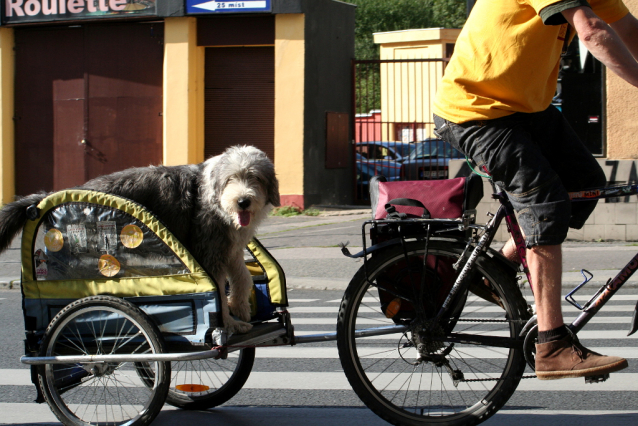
(449, 13)
(392, 15)
(375, 16)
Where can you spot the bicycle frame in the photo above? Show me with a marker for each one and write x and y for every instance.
(592, 307)
(613, 285)
(506, 212)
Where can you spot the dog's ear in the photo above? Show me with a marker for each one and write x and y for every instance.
(273, 191)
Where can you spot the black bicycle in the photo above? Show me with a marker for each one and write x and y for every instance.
(434, 330)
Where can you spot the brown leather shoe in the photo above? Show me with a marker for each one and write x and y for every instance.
(568, 358)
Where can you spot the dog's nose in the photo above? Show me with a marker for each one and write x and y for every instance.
(244, 203)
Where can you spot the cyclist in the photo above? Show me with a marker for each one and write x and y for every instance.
(494, 104)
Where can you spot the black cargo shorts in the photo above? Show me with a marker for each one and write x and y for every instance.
(537, 159)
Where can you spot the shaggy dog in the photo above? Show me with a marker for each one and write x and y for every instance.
(213, 208)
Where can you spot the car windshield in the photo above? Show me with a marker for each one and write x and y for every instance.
(402, 149)
(383, 150)
(433, 149)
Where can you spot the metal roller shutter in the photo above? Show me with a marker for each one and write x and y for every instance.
(240, 98)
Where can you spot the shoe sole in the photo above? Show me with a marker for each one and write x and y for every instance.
(595, 371)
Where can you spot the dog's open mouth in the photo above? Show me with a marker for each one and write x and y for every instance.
(244, 218)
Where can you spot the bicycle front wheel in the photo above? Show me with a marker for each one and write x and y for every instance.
(414, 372)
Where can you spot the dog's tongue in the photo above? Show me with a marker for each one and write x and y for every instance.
(244, 218)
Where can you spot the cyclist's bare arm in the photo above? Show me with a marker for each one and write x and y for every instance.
(627, 29)
(604, 43)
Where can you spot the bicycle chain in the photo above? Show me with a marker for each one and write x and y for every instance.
(494, 321)
(499, 321)
(490, 320)
(491, 380)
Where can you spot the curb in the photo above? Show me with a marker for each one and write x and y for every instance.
(327, 210)
(344, 213)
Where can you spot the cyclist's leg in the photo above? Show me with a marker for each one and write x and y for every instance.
(517, 161)
(558, 355)
(509, 251)
(514, 159)
(545, 266)
(577, 169)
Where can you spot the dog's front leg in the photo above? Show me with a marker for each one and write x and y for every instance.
(241, 284)
(231, 325)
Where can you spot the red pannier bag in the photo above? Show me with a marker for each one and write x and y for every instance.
(444, 199)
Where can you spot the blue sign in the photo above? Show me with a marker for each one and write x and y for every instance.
(207, 6)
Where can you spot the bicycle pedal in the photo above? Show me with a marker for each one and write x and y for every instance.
(596, 379)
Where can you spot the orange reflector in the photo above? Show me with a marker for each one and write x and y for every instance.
(393, 308)
(192, 388)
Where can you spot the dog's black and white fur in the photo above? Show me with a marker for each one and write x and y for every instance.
(213, 208)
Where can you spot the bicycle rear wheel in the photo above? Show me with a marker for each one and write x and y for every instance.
(449, 379)
(207, 383)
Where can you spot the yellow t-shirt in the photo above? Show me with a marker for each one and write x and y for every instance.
(506, 59)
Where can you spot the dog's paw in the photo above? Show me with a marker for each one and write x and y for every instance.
(240, 309)
(237, 327)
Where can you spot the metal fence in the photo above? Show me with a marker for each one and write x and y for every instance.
(393, 128)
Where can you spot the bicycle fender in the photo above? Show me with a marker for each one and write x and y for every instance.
(634, 321)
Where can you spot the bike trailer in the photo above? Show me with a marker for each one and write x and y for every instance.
(85, 243)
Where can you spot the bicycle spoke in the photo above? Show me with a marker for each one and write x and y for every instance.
(102, 392)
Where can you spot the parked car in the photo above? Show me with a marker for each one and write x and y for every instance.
(378, 158)
(366, 169)
(429, 160)
(383, 150)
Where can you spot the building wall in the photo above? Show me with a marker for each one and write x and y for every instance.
(407, 89)
(7, 158)
(313, 49)
(290, 51)
(622, 104)
(183, 93)
(367, 127)
(329, 36)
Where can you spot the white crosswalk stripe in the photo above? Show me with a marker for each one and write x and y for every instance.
(488, 309)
